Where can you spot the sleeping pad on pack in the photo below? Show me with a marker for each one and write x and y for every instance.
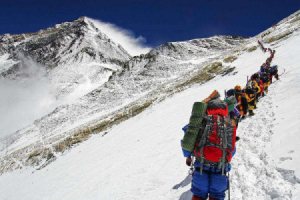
(190, 137)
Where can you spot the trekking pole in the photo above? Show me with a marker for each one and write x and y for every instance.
(228, 187)
(282, 72)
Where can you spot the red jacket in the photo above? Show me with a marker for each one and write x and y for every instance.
(261, 85)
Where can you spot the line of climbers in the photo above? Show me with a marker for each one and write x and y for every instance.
(209, 138)
(257, 86)
(267, 33)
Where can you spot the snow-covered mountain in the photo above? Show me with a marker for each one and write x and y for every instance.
(164, 84)
(70, 52)
(121, 85)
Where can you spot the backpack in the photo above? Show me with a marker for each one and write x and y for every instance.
(273, 69)
(267, 70)
(254, 76)
(265, 78)
(194, 126)
(250, 92)
(216, 139)
(258, 82)
(230, 92)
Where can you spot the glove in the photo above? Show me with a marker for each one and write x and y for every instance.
(188, 161)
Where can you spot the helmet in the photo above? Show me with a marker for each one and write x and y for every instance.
(238, 88)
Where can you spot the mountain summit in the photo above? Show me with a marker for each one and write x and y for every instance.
(71, 53)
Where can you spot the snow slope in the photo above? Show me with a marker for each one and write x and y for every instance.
(141, 158)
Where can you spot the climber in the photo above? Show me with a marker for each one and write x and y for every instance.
(262, 68)
(242, 101)
(265, 78)
(211, 163)
(274, 72)
(255, 87)
(251, 98)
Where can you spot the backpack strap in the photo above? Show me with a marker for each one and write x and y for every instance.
(223, 131)
(203, 140)
(219, 126)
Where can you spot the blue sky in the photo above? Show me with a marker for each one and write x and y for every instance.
(157, 21)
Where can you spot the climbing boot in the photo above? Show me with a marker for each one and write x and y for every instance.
(251, 113)
(197, 198)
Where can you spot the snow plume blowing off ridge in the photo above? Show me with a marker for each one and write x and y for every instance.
(134, 46)
(23, 101)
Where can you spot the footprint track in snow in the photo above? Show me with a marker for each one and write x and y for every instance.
(259, 178)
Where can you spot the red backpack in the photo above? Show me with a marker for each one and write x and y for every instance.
(216, 141)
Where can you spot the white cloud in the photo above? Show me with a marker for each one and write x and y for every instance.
(23, 101)
(126, 38)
